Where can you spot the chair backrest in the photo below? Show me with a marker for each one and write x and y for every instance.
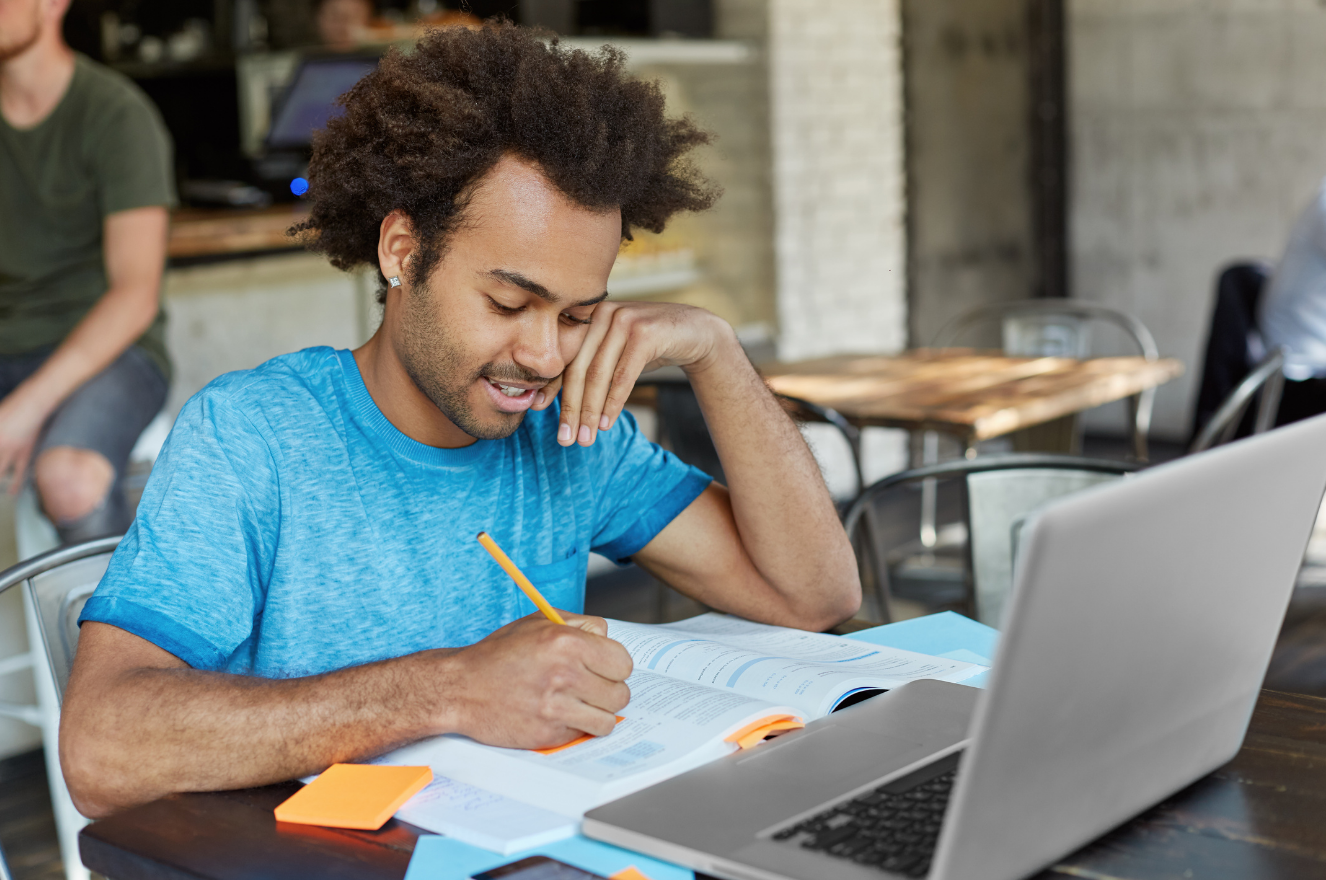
(1268, 380)
(59, 583)
(1001, 490)
(1041, 327)
(997, 503)
(1061, 328)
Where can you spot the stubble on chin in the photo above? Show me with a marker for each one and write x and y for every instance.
(434, 359)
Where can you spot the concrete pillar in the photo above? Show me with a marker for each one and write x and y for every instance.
(836, 103)
(968, 141)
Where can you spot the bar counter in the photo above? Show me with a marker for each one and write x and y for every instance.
(199, 234)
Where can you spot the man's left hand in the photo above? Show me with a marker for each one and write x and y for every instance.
(20, 426)
(625, 340)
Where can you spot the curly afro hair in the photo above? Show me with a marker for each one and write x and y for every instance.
(422, 129)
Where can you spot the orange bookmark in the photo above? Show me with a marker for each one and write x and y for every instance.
(631, 873)
(754, 733)
(361, 796)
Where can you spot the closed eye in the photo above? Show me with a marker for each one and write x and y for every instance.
(574, 320)
(505, 310)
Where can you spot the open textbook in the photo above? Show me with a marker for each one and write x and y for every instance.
(702, 688)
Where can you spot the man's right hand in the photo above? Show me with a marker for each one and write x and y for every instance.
(535, 684)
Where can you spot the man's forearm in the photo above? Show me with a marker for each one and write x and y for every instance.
(113, 324)
(783, 512)
(155, 731)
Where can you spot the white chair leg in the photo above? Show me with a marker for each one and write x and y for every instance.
(33, 532)
(68, 821)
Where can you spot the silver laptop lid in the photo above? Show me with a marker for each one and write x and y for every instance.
(1142, 622)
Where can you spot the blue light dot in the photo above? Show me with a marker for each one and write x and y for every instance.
(299, 186)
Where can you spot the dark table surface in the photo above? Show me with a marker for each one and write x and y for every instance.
(1260, 816)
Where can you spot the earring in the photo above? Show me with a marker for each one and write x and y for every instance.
(394, 281)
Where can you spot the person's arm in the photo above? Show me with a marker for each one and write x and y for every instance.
(770, 546)
(134, 246)
(138, 723)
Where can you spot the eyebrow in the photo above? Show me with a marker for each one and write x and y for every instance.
(507, 276)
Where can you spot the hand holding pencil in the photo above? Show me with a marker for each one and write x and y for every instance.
(533, 685)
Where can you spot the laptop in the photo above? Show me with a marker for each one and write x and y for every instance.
(1141, 624)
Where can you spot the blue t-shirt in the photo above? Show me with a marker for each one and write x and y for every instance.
(289, 529)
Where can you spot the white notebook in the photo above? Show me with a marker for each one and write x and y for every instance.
(484, 819)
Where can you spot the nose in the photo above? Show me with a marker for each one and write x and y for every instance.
(538, 349)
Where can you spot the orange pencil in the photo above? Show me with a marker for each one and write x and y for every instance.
(519, 577)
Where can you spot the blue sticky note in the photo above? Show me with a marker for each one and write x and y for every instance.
(934, 634)
(947, 634)
(441, 858)
(966, 656)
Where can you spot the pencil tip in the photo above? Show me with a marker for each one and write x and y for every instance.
(481, 534)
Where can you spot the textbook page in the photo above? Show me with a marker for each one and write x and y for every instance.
(669, 727)
(811, 671)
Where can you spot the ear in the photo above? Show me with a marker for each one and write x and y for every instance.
(395, 244)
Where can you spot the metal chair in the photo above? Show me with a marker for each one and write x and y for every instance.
(1061, 328)
(682, 428)
(977, 572)
(55, 587)
(1266, 382)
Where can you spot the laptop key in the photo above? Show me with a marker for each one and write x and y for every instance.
(831, 838)
(895, 831)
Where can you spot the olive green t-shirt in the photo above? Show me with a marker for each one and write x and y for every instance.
(102, 149)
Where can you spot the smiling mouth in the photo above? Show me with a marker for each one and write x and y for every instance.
(509, 390)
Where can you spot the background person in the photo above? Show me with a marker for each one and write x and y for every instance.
(1293, 313)
(342, 24)
(85, 183)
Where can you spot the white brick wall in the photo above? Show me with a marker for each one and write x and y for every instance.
(1198, 133)
(836, 94)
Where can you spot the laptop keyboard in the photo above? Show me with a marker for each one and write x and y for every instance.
(894, 827)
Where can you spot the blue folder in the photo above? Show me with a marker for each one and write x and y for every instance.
(947, 635)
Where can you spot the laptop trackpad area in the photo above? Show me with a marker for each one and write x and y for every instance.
(720, 807)
(818, 765)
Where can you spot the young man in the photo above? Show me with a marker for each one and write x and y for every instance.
(85, 183)
(303, 584)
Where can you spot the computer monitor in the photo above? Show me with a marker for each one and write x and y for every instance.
(311, 99)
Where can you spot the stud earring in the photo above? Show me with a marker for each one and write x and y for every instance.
(394, 281)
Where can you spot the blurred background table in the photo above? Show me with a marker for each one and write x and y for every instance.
(970, 395)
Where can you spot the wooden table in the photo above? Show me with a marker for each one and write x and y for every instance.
(971, 395)
(1257, 818)
(200, 232)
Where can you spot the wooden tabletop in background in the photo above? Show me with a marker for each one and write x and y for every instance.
(199, 232)
(1257, 818)
(971, 394)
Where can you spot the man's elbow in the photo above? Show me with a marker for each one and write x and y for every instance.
(141, 301)
(92, 773)
(841, 604)
(839, 599)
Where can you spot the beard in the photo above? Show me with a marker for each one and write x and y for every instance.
(435, 360)
(14, 44)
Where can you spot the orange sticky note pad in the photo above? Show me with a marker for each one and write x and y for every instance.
(631, 873)
(354, 796)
